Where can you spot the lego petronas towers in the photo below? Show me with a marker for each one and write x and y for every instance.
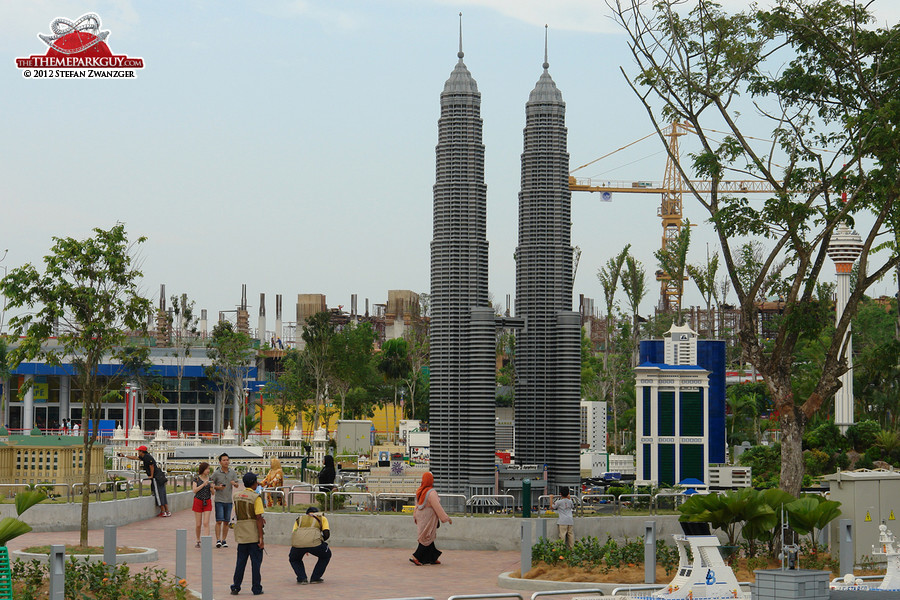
(463, 355)
(463, 325)
(548, 349)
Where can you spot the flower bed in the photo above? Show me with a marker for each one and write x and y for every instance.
(97, 581)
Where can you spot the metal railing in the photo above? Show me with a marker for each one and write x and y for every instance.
(370, 504)
(637, 588)
(678, 498)
(636, 499)
(596, 591)
(307, 489)
(607, 499)
(463, 497)
(490, 500)
(575, 499)
(485, 596)
(269, 492)
(393, 496)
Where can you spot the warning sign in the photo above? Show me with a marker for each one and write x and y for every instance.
(868, 517)
(891, 518)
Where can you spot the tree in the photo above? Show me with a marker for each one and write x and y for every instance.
(4, 378)
(291, 389)
(317, 333)
(393, 364)
(351, 358)
(608, 275)
(704, 277)
(183, 334)
(673, 263)
(824, 82)
(90, 289)
(418, 349)
(231, 353)
(634, 282)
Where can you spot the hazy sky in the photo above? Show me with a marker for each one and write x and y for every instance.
(289, 145)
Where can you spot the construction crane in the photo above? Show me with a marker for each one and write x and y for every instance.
(671, 192)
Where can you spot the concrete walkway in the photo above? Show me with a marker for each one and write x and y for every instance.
(353, 574)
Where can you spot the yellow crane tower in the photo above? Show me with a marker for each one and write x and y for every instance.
(671, 192)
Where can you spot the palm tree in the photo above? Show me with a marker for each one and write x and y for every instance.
(634, 282)
(609, 280)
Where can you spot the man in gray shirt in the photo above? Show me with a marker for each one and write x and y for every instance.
(224, 480)
(564, 506)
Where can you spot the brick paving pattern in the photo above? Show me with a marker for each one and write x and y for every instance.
(353, 574)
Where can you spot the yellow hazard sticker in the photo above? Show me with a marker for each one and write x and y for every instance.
(868, 517)
(891, 518)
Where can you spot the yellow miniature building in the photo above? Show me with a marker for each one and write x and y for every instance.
(48, 459)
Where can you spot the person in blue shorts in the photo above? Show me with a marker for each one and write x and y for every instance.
(225, 481)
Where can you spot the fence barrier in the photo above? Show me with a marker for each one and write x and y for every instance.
(490, 500)
(269, 492)
(596, 591)
(370, 503)
(595, 499)
(392, 496)
(678, 498)
(635, 501)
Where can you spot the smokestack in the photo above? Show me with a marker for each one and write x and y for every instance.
(278, 324)
(203, 324)
(367, 307)
(261, 325)
(353, 306)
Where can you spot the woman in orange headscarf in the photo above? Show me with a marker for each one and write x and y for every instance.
(428, 516)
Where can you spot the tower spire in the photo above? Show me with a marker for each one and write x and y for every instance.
(546, 64)
(460, 53)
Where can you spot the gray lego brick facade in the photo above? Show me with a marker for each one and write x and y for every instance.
(799, 584)
(463, 356)
(548, 350)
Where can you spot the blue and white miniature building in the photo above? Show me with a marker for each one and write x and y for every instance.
(680, 407)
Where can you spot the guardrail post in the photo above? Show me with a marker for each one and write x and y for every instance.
(206, 567)
(845, 535)
(525, 562)
(109, 546)
(180, 554)
(57, 567)
(649, 551)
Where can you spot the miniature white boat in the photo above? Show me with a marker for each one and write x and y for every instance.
(887, 547)
(706, 577)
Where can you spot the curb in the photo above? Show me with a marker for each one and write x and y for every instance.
(506, 581)
(148, 555)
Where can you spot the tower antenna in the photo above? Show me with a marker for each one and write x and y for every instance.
(546, 64)
(460, 53)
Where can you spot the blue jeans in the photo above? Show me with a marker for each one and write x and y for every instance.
(322, 552)
(223, 511)
(255, 554)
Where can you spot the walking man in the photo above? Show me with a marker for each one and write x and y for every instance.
(225, 480)
(158, 479)
(248, 533)
(310, 534)
(564, 506)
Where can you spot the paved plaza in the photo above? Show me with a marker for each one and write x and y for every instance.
(354, 573)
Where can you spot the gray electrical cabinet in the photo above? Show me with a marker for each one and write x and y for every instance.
(354, 437)
(868, 498)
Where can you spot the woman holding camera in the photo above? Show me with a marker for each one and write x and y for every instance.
(202, 488)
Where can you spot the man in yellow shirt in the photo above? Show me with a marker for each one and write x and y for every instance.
(248, 533)
(310, 534)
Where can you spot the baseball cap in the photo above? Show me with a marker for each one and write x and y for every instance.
(249, 479)
(142, 448)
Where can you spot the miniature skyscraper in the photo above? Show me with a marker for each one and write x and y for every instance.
(548, 359)
(463, 355)
(844, 249)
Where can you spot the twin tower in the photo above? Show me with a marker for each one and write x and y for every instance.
(463, 324)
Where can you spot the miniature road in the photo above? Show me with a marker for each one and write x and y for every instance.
(353, 574)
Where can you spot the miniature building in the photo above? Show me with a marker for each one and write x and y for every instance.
(463, 333)
(48, 459)
(680, 407)
(593, 425)
(548, 349)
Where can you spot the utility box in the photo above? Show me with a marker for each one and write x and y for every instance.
(868, 498)
(353, 437)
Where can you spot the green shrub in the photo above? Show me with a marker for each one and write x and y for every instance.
(861, 436)
(817, 462)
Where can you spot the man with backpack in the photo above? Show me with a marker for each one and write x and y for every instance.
(310, 535)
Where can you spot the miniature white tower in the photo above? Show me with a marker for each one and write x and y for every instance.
(845, 248)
